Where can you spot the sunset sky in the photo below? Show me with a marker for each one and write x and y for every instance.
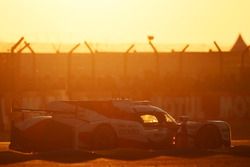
(125, 21)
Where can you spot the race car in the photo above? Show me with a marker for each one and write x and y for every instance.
(109, 124)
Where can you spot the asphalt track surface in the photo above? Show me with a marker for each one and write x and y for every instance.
(238, 156)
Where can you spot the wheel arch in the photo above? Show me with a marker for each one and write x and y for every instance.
(203, 129)
(206, 126)
(96, 131)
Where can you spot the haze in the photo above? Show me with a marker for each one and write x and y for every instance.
(121, 21)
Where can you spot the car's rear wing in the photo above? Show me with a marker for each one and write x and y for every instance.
(20, 114)
(38, 110)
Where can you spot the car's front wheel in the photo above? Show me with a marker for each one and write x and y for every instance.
(208, 137)
(103, 138)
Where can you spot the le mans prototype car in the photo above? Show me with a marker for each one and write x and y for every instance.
(108, 124)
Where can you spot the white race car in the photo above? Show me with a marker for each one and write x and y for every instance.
(108, 124)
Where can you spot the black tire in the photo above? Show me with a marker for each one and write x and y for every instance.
(208, 137)
(103, 138)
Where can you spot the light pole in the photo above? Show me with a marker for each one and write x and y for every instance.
(181, 60)
(150, 39)
(34, 64)
(17, 65)
(125, 61)
(221, 61)
(12, 65)
(93, 61)
(69, 69)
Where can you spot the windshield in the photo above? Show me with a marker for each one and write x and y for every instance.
(168, 117)
(152, 114)
(148, 118)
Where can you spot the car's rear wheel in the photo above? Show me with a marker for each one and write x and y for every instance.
(208, 137)
(103, 138)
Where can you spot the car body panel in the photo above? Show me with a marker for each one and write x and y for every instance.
(134, 124)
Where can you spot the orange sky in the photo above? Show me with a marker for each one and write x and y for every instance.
(125, 21)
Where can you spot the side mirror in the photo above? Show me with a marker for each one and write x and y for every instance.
(183, 119)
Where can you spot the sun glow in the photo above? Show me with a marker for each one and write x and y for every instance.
(170, 21)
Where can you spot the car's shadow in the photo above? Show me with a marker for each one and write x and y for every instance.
(9, 157)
